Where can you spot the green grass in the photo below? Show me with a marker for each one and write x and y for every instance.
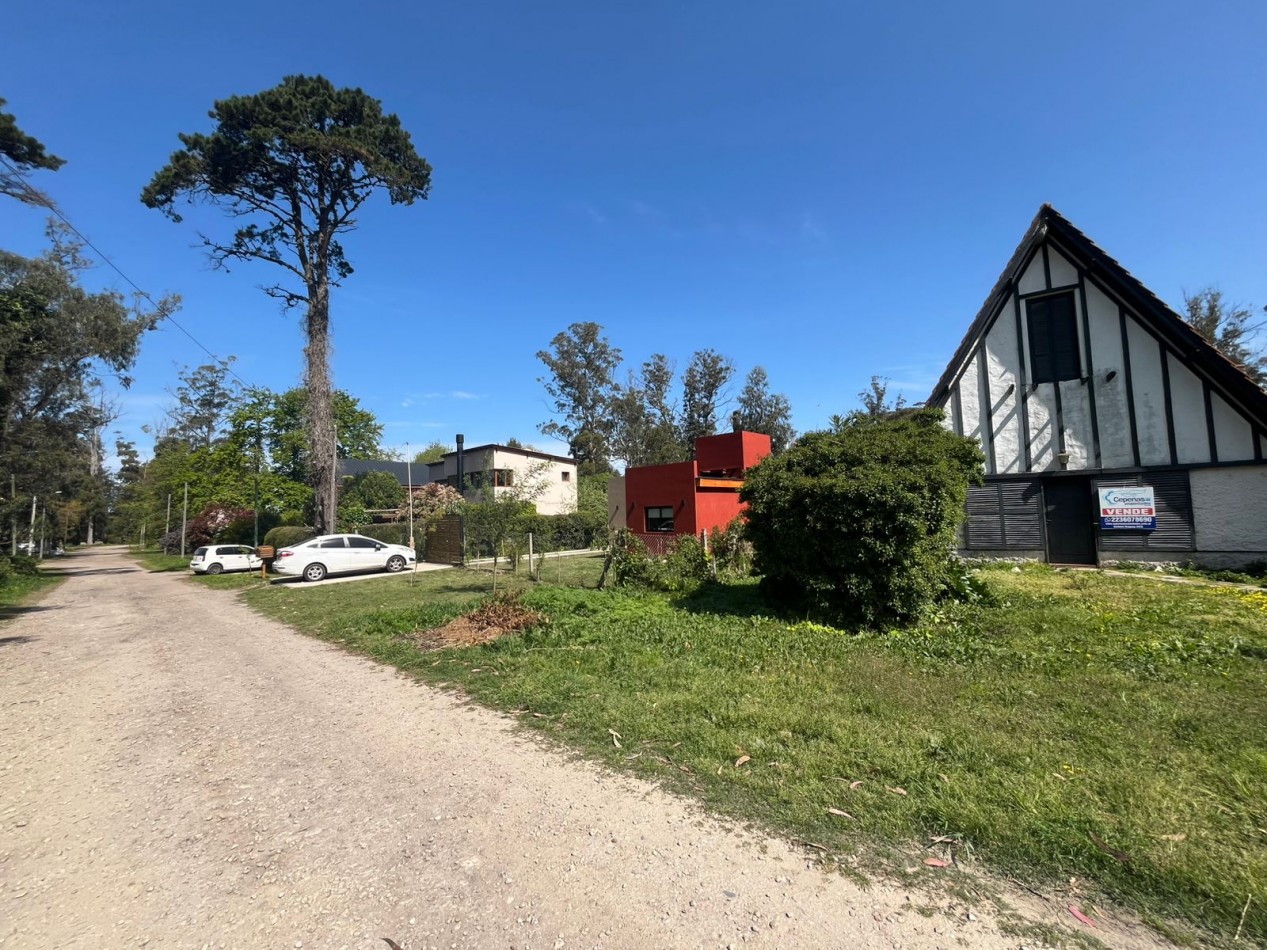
(18, 590)
(1077, 707)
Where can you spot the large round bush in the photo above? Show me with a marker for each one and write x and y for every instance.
(858, 523)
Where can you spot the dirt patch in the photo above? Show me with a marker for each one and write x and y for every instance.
(491, 620)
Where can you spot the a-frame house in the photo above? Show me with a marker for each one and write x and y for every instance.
(1076, 379)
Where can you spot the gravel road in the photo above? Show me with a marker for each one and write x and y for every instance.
(177, 772)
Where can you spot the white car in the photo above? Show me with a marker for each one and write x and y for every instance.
(217, 558)
(341, 554)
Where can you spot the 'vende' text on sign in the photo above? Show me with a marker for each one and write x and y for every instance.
(1128, 509)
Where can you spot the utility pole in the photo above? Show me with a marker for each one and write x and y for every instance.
(258, 449)
(13, 513)
(184, 518)
(409, 479)
(30, 538)
(168, 529)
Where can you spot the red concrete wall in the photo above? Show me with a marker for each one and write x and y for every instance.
(656, 486)
(715, 509)
(731, 451)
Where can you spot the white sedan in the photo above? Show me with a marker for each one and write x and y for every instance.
(341, 554)
(215, 558)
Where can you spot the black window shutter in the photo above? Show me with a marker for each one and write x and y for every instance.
(1053, 338)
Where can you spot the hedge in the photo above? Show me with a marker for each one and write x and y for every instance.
(284, 536)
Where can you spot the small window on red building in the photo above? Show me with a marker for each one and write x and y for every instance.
(659, 519)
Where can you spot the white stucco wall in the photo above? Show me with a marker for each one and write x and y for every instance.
(1034, 280)
(1187, 402)
(1150, 399)
(1075, 407)
(1042, 428)
(1229, 512)
(1063, 273)
(970, 405)
(1111, 408)
(1003, 364)
(1233, 435)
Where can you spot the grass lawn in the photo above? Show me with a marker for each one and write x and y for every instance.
(1102, 729)
(17, 589)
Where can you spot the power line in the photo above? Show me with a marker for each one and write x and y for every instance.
(43, 201)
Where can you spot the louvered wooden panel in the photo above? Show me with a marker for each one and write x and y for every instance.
(1022, 515)
(1004, 516)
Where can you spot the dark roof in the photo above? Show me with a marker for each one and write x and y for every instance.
(1095, 262)
(349, 467)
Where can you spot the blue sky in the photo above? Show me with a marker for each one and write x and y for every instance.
(829, 190)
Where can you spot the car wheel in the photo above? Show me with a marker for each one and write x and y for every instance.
(395, 564)
(314, 572)
(215, 568)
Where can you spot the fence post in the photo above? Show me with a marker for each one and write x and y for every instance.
(530, 577)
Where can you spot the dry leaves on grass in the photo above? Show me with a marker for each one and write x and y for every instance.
(492, 619)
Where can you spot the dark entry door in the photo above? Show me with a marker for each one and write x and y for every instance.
(1070, 520)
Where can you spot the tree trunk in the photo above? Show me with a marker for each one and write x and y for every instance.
(321, 435)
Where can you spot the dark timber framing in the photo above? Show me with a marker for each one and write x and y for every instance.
(1209, 421)
(1022, 376)
(1130, 386)
(1126, 291)
(1090, 369)
(1170, 409)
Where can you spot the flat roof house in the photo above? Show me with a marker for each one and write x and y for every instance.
(687, 497)
(1111, 429)
(548, 481)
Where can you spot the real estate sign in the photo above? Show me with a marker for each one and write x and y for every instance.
(1130, 508)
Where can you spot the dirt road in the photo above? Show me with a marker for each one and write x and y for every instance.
(177, 772)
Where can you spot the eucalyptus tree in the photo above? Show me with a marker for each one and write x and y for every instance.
(582, 364)
(763, 411)
(292, 166)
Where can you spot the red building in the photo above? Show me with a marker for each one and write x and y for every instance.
(690, 497)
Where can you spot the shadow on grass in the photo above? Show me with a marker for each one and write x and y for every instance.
(730, 600)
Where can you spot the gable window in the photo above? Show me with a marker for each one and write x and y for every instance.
(1053, 339)
(660, 519)
(567, 476)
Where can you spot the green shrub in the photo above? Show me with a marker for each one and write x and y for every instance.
(859, 523)
(731, 551)
(570, 532)
(396, 533)
(683, 568)
(242, 530)
(283, 536)
(374, 490)
(293, 518)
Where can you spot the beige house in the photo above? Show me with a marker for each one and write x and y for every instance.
(547, 481)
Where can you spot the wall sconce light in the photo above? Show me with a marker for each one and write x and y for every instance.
(1063, 459)
(1110, 376)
